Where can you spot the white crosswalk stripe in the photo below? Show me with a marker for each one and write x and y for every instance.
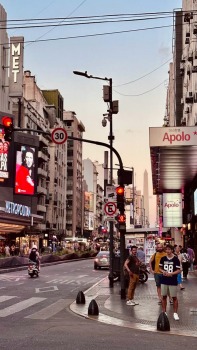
(50, 310)
(22, 305)
(43, 313)
(6, 297)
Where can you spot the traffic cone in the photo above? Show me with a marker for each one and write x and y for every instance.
(80, 299)
(163, 323)
(93, 308)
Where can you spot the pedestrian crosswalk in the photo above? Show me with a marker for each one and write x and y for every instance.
(41, 311)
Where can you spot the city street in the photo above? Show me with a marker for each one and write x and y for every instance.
(35, 313)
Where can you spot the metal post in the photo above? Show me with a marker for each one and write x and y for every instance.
(133, 200)
(111, 224)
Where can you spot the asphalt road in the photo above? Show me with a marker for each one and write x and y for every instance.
(35, 314)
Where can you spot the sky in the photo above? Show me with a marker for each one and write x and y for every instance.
(136, 59)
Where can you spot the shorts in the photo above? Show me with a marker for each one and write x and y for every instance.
(157, 277)
(168, 290)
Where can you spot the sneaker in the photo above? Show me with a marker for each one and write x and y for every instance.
(130, 302)
(171, 302)
(135, 302)
(176, 316)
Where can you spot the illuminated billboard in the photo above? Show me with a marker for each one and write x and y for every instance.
(4, 157)
(25, 172)
(172, 210)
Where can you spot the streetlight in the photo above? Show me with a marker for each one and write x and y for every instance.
(113, 109)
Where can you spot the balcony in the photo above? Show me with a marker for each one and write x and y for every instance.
(41, 208)
(42, 190)
(56, 180)
(43, 156)
(42, 172)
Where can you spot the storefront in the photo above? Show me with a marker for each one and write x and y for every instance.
(174, 175)
(15, 221)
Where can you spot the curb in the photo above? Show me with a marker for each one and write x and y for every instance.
(24, 267)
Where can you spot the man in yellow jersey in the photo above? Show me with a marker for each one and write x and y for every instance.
(155, 268)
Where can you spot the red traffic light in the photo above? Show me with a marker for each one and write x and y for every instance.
(7, 121)
(120, 190)
(121, 218)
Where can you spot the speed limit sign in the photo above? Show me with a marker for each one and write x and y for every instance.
(59, 136)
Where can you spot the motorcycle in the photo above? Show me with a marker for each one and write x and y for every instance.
(33, 269)
(143, 275)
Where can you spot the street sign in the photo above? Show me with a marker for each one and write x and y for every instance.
(59, 136)
(111, 194)
(110, 209)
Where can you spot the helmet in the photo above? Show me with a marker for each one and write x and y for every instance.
(34, 247)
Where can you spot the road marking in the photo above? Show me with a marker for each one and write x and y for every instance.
(50, 310)
(6, 297)
(22, 305)
(46, 289)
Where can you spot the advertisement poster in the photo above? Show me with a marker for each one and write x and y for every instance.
(25, 173)
(4, 157)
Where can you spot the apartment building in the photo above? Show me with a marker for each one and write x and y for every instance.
(38, 114)
(75, 191)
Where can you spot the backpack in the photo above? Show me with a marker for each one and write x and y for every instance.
(153, 263)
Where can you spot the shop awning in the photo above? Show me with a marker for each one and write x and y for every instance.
(173, 153)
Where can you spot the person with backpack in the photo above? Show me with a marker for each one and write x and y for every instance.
(155, 268)
(34, 256)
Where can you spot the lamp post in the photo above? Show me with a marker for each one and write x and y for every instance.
(113, 109)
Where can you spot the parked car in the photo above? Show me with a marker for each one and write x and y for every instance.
(101, 259)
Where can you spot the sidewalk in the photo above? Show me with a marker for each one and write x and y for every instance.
(114, 311)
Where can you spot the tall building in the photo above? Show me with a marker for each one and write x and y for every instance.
(4, 46)
(75, 191)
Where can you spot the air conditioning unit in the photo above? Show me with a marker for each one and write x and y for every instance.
(186, 110)
(186, 40)
(189, 97)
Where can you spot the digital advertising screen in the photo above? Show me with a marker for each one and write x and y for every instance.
(25, 171)
(4, 158)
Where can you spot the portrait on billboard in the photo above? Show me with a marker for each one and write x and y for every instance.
(4, 156)
(25, 171)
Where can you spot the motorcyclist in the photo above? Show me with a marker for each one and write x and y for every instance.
(34, 256)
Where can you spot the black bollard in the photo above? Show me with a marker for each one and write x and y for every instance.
(163, 323)
(80, 298)
(93, 308)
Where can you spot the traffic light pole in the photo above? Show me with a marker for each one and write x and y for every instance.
(121, 229)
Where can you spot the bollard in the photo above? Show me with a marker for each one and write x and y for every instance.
(93, 308)
(163, 323)
(80, 298)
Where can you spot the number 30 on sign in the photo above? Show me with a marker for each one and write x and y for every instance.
(59, 136)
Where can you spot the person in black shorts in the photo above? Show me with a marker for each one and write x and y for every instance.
(170, 268)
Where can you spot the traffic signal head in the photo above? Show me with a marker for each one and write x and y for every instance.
(7, 123)
(120, 198)
(121, 218)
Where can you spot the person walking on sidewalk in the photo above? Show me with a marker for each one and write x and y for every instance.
(169, 267)
(155, 269)
(177, 251)
(132, 265)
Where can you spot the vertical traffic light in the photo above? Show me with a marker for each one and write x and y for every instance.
(120, 199)
(7, 123)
